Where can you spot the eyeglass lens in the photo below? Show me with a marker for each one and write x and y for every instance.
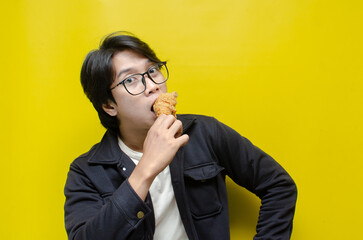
(135, 84)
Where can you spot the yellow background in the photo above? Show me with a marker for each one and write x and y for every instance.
(286, 74)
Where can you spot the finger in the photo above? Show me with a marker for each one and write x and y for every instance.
(159, 120)
(174, 128)
(167, 121)
(182, 140)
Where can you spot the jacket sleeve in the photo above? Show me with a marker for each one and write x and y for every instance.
(90, 216)
(250, 167)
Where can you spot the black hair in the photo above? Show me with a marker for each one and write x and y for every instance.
(98, 74)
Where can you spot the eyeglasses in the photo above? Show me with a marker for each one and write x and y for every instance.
(135, 84)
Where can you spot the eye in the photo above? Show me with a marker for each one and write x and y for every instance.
(154, 69)
(131, 80)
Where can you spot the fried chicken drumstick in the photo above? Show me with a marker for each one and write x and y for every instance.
(165, 104)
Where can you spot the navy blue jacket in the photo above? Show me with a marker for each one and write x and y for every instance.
(100, 203)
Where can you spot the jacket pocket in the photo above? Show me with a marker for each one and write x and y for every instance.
(202, 190)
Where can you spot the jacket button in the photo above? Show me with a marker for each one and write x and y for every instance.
(140, 214)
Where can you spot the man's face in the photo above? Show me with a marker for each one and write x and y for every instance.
(134, 112)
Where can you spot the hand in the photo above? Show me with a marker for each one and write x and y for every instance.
(162, 142)
(160, 146)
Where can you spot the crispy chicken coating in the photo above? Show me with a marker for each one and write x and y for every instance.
(165, 104)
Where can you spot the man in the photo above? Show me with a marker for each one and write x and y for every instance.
(145, 181)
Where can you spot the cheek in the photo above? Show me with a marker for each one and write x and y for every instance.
(128, 107)
(122, 102)
(163, 87)
(123, 105)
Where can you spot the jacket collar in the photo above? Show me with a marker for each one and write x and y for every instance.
(108, 151)
(187, 120)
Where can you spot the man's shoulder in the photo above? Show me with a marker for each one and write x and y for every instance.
(201, 123)
(82, 159)
(106, 152)
(195, 117)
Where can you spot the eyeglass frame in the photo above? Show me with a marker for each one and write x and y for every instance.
(143, 79)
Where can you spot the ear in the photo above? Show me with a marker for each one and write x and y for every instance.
(110, 108)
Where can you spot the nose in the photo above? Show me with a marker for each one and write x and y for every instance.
(150, 86)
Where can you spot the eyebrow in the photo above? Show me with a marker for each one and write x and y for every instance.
(123, 71)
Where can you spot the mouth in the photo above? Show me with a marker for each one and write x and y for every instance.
(152, 107)
(152, 104)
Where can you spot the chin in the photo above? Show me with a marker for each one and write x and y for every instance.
(150, 120)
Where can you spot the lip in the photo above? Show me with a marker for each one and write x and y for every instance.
(153, 102)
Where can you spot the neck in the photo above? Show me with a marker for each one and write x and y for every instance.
(133, 139)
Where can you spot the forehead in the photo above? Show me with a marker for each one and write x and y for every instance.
(128, 59)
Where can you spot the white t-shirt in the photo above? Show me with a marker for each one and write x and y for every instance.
(168, 224)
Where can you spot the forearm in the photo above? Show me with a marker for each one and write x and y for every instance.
(277, 209)
(255, 170)
(141, 179)
(90, 216)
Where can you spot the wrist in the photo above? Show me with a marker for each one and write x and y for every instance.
(140, 180)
